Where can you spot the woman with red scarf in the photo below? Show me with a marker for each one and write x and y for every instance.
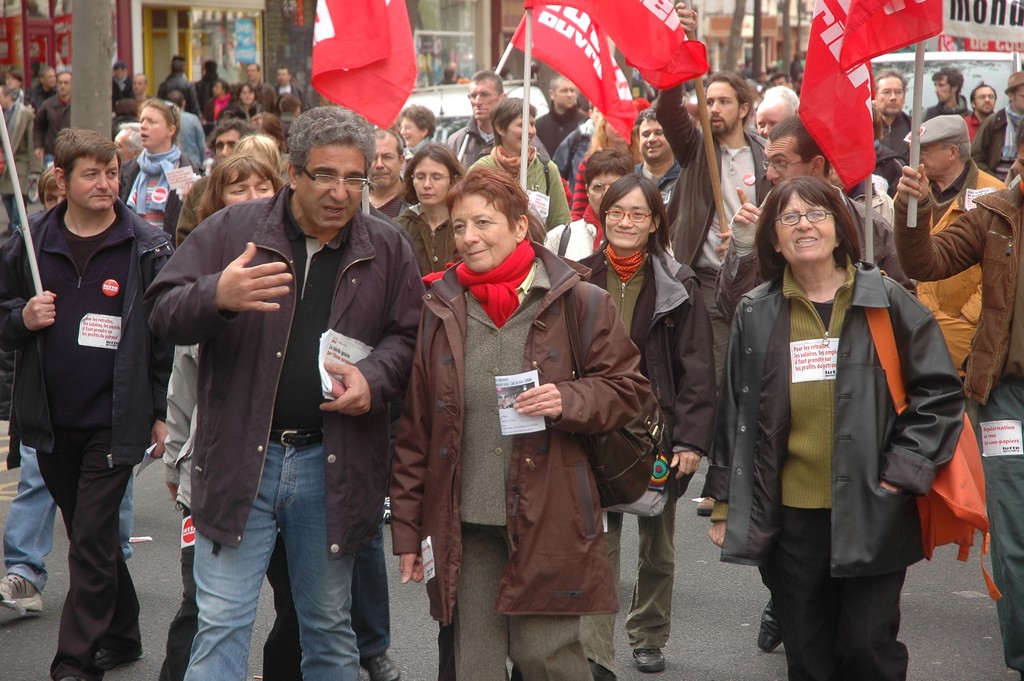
(506, 528)
(659, 302)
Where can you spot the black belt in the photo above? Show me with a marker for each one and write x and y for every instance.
(298, 438)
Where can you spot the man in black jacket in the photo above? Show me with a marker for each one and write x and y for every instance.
(91, 389)
(564, 116)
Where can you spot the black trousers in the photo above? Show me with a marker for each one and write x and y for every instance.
(837, 629)
(101, 609)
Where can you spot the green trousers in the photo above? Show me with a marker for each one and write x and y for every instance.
(649, 620)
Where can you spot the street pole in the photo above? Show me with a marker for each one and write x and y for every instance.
(92, 47)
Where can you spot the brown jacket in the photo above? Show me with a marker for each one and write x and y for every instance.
(988, 235)
(434, 248)
(558, 560)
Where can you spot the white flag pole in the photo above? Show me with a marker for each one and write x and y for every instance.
(26, 233)
(504, 57)
(915, 129)
(525, 138)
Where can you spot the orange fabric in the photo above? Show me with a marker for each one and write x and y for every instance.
(955, 506)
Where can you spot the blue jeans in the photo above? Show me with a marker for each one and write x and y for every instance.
(28, 536)
(228, 580)
(371, 607)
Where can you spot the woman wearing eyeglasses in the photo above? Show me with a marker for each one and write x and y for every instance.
(814, 472)
(659, 302)
(431, 172)
(144, 184)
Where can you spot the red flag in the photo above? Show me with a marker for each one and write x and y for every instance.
(877, 27)
(835, 103)
(572, 44)
(363, 56)
(650, 36)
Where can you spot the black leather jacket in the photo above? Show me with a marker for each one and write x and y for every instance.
(873, 531)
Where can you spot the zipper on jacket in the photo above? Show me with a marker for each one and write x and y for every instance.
(1009, 247)
(110, 460)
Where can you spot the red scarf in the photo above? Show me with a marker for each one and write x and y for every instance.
(625, 267)
(591, 219)
(496, 290)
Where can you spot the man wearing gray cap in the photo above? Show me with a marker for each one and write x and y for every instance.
(995, 145)
(987, 235)
(956, 183)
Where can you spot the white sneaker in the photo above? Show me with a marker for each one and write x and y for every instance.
(18, 594)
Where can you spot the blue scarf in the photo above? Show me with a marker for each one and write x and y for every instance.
(152, 165)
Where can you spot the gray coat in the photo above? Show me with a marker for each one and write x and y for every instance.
(873, 531)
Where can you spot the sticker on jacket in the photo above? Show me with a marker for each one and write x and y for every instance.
(540, 204)
(188, 532)
(427, 551)
(1001, 438)
(813, 360)
(972, 195)
(99, 331)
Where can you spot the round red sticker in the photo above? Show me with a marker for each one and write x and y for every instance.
(749, 179)
(111, 288)
(159, 195)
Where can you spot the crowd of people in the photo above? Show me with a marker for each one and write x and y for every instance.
(311, 321)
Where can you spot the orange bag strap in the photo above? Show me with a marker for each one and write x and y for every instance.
(885, 345)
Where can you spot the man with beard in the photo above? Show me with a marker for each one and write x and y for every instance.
(386, 174)
(983, 103)
(949, 81)
(699, 235)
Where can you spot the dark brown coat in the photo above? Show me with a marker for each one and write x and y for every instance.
(559, 560)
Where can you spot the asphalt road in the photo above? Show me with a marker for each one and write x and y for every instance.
(949, 623)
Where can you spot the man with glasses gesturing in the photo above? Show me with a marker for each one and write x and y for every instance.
(271, 451)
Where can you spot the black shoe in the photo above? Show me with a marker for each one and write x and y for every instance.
(649, 659)
(381, 668)
(106, 659)
(769, 636)
(601, 673)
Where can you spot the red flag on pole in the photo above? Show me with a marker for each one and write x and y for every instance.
(835, 102)
(572, 44)
(875, 27)
(363, 56)
(650, 36)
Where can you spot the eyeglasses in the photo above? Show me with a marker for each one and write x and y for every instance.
(813, 216)
(324, 181)
(633, 215)
(597, 187)
(781, 166)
